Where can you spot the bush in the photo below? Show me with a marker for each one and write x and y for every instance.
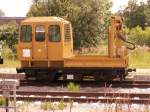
(2, 101)
(7, 53)
(73, 87)
(139, 36)
(47, 106)
(9, 38)
(61, 105)
(139, 58)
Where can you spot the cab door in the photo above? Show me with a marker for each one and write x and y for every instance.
(40, 42)
(55, 48)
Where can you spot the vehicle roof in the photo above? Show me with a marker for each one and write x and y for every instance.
(43, 19)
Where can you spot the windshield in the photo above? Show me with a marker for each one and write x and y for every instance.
(26, 33)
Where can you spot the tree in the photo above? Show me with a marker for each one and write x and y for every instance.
(147, 14)
(137, 14)
(148, 2)
(1, 13)
(8, 35)
(89, 17)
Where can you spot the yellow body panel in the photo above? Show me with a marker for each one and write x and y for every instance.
(42, 20)
(68, 45)
(45, 51)
(39, 49)
(94, 61)
(60, 53)
(20, 50)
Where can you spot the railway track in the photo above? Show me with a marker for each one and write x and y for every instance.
(130, 84)
(84, 97)
(113, 84)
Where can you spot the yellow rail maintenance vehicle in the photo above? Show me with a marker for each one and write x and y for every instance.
(45, 48)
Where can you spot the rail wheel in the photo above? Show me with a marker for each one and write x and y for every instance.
(104, 77)
(52, 76)
(29, 76)
(122, 77)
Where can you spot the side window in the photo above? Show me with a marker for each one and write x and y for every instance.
(67, 28)
(40, 33)
(54, 33)
(26, 33)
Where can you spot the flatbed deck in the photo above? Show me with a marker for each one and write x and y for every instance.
(94, 61)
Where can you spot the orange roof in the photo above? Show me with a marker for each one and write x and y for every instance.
(43, 19)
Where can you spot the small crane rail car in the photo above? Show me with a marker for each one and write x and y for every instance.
(45, 48)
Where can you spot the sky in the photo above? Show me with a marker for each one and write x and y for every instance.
(118, 4)
(19, 8)
(15, 8)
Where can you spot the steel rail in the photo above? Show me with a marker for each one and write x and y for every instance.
(86, 94)
(12, 76)
(84, 99)
(102, 97)
(115, 84)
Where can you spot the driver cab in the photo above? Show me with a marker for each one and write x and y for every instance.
(44, 40)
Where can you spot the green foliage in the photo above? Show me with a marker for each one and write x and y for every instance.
(10, 63)
(21, 107)
(7, 53)
(140, 58)
(2, 101)
(73, 87)
(147, 14)
(139, 36)
(137, 14)
(47, 106)
(89, 18)
(9, 37)
(61, 105)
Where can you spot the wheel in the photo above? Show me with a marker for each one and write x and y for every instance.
(52, 76)
(122, 78)
(103, 77)
(29, 74)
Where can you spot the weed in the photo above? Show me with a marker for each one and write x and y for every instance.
(61, 105)
(2, 101)
(21, 107)
(139, 59)
(10, 63)
(73, 87)
(47, 106)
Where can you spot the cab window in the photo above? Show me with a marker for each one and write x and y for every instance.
(54, 33)
(40, 33)
(26, 33)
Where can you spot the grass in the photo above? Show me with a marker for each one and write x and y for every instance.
(73, 87)
(47, 106)
(61, 105)
(2, 101)
(10, 63)
(139, 59)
